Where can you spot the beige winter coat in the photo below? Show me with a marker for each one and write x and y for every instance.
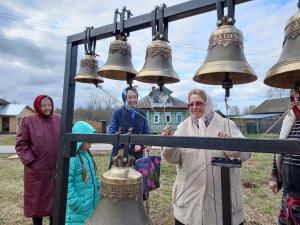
(197, 188)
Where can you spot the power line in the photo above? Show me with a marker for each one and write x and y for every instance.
(22, 18)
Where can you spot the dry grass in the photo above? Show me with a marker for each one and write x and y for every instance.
(261, 205)
(7, 139)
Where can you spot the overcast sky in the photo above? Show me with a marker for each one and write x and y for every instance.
(33, 36)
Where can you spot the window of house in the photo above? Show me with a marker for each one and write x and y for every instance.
(156, 117)
(168, 117)
(179, 117)
(5, 124)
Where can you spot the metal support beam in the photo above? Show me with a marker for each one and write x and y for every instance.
(226, 196)
(172, 13)
(226, 164)
(230, 144)
(61, 180)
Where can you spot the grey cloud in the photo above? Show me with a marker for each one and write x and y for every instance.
(28, 53)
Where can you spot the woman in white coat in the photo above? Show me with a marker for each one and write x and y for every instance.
(197, 188)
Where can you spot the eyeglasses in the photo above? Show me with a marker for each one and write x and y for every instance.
(196, 104)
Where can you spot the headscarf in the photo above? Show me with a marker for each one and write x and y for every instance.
(204, 120)
(37, 105)
(124, 97)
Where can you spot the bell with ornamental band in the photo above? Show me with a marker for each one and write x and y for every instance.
(121, 196)
(286, 72)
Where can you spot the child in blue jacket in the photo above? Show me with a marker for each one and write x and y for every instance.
(84, 185)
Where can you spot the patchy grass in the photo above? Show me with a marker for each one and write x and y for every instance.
(261, 135)
(261, 205)
(8, 139)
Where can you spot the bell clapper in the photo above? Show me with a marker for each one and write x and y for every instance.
(160, 83)
(227, 84)
(297, 86)
(129, 80)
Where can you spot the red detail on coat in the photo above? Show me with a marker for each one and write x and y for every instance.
(37, 104)
(296, 110)
(291, 202)
(37, 146)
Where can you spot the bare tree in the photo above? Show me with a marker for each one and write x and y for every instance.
(248, 109)
(277, 92)
(98, 107)
(234, 110)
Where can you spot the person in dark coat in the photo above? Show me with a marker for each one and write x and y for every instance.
(37, 146)
(285, 173)
(129, 116)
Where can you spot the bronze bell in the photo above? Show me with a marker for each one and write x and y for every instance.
(121, 197)
(158, 66)
(286, 72)
(88, 70)
(118, 65)
(225, 58)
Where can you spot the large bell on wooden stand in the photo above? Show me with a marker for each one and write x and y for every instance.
(286, 72)
(225, 63)
(118, 65)
(89, 64)
(121, 197)
(158, 66)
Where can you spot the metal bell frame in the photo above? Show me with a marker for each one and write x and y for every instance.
(68, 140)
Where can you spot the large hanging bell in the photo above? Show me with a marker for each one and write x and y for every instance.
(158, 66)
(121, 201)
(88, 70)
(118, 65)
(286, 72)
(225, 58)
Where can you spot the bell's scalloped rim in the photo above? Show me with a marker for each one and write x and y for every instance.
(214, 72)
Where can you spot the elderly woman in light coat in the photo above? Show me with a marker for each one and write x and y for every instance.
(197, 188)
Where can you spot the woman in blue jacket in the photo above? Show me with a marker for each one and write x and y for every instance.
(84, 186)
(129, 116)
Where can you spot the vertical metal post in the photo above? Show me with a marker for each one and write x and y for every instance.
(226, 198)
(66, 149)
(226, 164)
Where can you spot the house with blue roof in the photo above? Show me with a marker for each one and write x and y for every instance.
(11, 114)
(264, 116)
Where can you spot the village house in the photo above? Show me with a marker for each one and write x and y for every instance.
(264, 116)
(11, 114)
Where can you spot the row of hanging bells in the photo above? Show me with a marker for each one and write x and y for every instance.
(158, 66)
(225, 64)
